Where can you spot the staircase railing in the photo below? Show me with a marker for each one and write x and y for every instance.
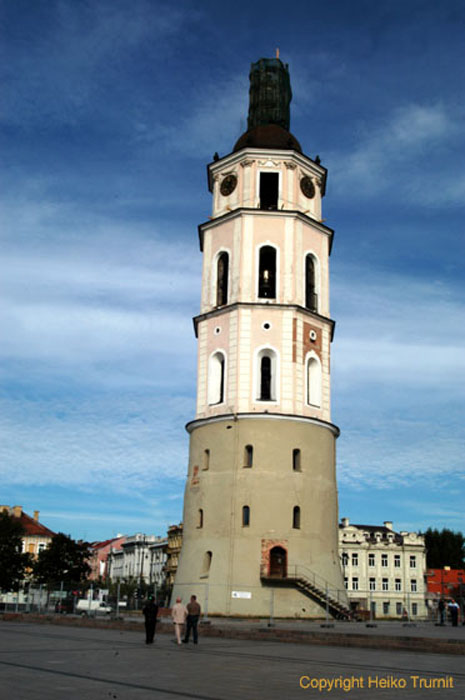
(323, 589)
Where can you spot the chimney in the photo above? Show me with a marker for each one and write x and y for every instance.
(17, 511)
(36, 515)
(345, 522)
(388, 524)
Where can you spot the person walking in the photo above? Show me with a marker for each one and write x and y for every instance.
(150, 611)
(193, 615)
(178, 615)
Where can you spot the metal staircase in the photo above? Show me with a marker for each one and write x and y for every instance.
(313, 586)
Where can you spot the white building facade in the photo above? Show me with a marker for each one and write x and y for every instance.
(384, 570)
(141, 557)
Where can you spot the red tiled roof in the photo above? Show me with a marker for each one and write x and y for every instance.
(100, 545)
(32, 527)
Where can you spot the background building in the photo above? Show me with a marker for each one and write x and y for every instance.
(36, 536)
(383, 568)
(173, 550)
(98, 560)
(446, 583)
(140, 557)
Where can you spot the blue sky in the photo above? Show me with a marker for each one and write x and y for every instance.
(111, 110)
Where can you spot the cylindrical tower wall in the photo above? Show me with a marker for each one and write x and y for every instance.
(230, 558)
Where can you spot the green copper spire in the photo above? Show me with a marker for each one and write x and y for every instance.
(270, 93)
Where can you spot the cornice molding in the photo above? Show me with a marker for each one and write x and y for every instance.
(240, 211)
(269, 306)
(199, 422)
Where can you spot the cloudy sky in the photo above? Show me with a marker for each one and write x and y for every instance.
(110, 111)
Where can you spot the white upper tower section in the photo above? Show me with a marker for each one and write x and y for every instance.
(264, 329)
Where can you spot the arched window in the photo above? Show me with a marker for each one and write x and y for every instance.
(216, 378)
(267, 273)
(266, 389)
(200, 518)
(296, 460)
(222, 270)
(207, 562)
(296, 518)
(248, 456)
(245, 516)
(311, 296)
(313, 381)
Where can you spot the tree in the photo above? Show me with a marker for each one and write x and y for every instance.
(13, 563)
(444, 548)
(63, 560)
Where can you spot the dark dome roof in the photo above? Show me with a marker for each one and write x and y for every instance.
(268, 136)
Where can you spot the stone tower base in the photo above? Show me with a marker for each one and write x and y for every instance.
(241, 563)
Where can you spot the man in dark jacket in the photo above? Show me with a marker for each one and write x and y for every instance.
(150, 611)
(193, 614)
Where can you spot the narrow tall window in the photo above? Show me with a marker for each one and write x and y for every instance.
(200, 518)
(248, 456)
(216, 379)
(269, 188)
(222, 279)
(311, 297)
(372, 584)
(313, 382)
(296, 464)
(267, 273)
(265, 379)
(245, 516)
(206, 460)
(296, 518)
(207, 562)
(413, 585)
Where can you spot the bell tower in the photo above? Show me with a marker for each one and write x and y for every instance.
(260, 506)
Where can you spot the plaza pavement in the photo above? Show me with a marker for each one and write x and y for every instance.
(58, 662)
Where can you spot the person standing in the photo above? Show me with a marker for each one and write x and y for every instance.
(193, 615)
(150, 611)
(454, 613)
(178, 615)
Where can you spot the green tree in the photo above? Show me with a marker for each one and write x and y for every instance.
(13, 563)
(63, 560)
(444, 548)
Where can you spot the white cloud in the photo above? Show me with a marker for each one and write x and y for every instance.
(119, 442)
(403, 154)
(396, 330)
(98, 299)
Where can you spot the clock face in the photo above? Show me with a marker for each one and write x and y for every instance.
(307, 187)
(228, 185)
